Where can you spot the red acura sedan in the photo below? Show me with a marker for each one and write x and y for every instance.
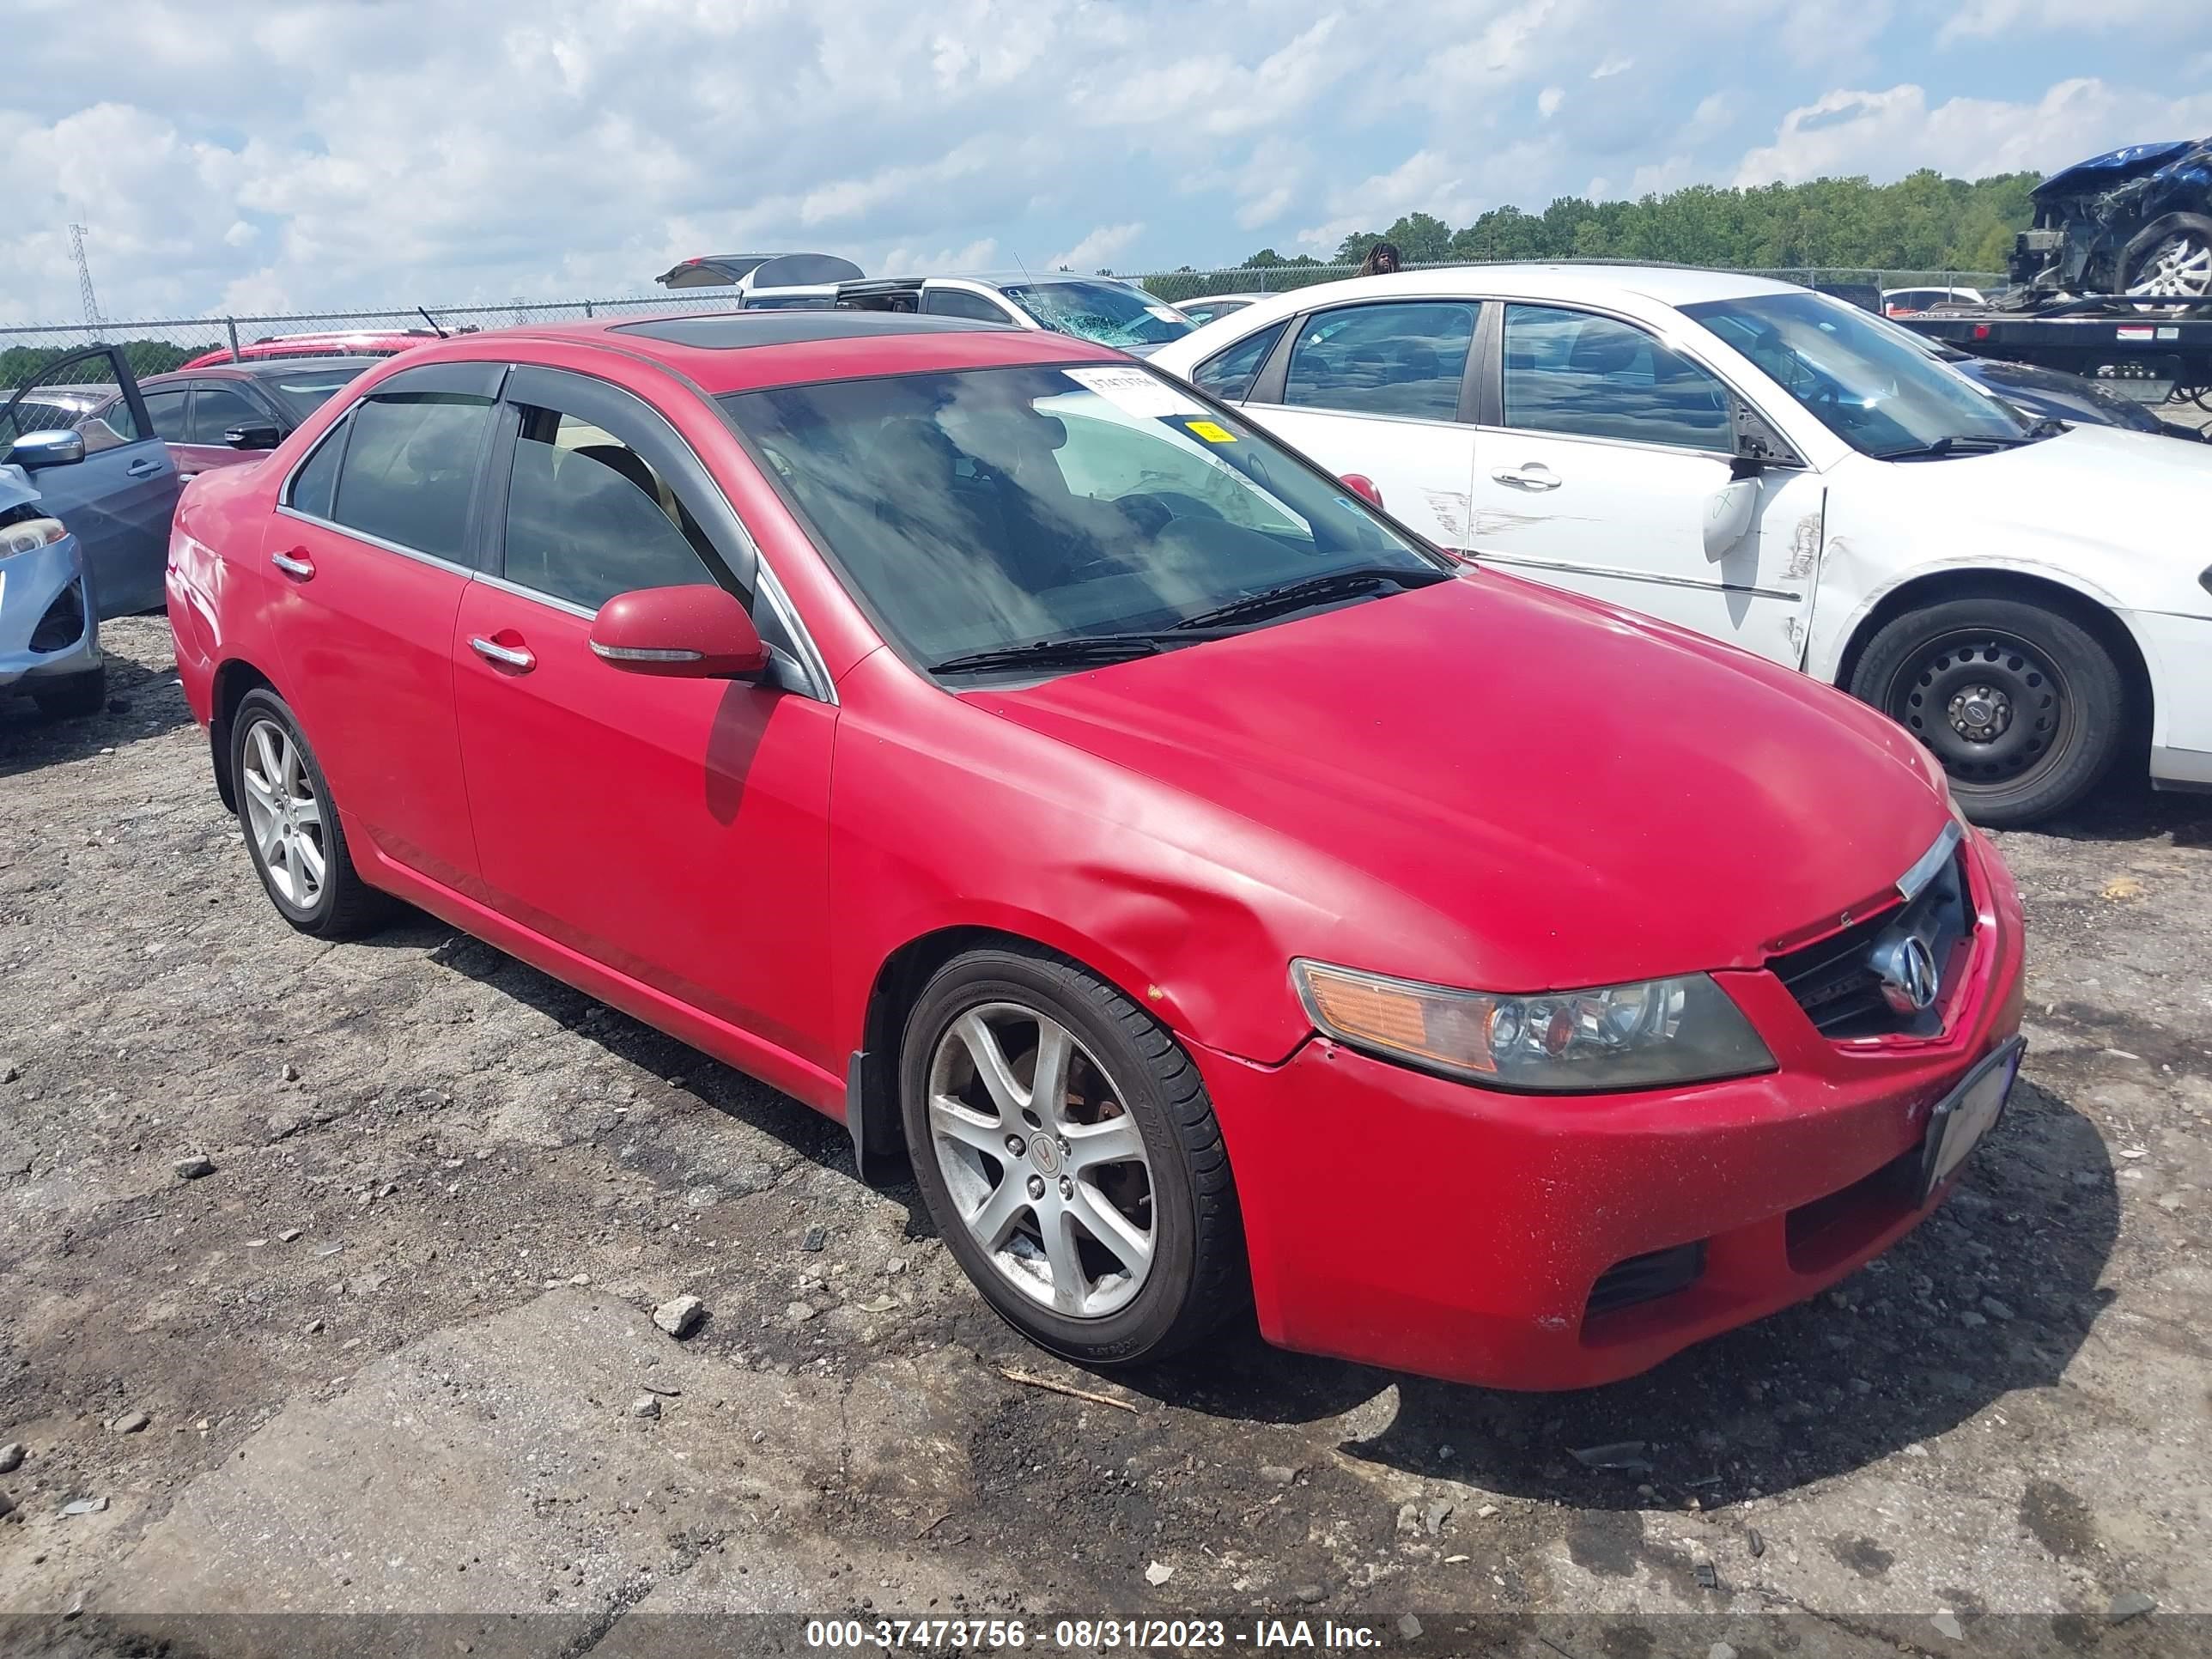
(1214, 891)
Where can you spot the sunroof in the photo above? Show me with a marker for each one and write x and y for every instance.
(726, 329)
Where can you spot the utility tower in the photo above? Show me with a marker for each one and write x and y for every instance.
(84, 278)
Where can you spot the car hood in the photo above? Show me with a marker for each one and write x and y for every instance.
(2112, 499)
(2054, 392)
(1494, 784)
(16, 487)
(2101, 173)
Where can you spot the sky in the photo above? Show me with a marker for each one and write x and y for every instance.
(236, 156)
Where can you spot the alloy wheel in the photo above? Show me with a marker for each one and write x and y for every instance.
(1990, 704)
(1045, 1165)
(284, 815)
(2179, 268)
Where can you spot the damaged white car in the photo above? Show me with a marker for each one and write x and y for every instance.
(1776, 469)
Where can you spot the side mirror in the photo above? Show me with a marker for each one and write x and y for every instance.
(1728, 512)
(36, 449)
(694, 632)
(1364, 487)
(253, 434)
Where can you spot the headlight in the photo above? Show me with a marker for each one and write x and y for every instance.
(1682, 1030)
(28, 535)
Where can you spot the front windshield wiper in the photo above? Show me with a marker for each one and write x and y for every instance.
(1074, 649)
(1955, 444)
(1315, 590)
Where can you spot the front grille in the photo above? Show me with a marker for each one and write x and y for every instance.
(63, 623)
(1647, 1278)
(1833, 979)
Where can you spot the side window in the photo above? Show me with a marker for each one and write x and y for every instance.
(587, 516)
(411, 468)
(1404, 358)
(1229, 374)
(312, 484)
(1568, 371)
(116, 417)
(165, 409)
(217, 408)
(958, 302)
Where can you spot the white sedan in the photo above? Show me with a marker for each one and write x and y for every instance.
(1775, 468)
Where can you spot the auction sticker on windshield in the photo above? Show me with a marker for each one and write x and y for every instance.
(1134, 391)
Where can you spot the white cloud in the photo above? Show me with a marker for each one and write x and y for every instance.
(1615, 64)
(1886, 134)
(1424, 182)
(1549, 101)
(1098, 248)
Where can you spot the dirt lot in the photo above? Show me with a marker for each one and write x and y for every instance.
(394, 1355)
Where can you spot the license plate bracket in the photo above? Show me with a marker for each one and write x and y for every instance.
(1968, 1113)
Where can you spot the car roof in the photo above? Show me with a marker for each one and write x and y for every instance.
(1666, 285)
(726, 351)
(265, 368)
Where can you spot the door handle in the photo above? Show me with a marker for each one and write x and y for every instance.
(1532, 475)
(507, 656)
(296, 563)
(144, 467)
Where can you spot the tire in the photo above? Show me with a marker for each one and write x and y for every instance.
(1102, 1312)
(2170, 258)
(72, 696)
(264, 737)
(2056, 723)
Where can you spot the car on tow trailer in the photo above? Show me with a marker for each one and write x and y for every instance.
(1223, 896)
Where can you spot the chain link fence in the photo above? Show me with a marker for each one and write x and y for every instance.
(159, 347)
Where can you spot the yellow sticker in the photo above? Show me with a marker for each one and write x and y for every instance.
(1212, 432)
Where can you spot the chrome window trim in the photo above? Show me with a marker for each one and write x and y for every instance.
(1642, 446)
(1930, 865)
(377, 541)
(1448, 424)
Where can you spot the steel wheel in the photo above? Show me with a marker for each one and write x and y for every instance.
(1989, 704)
(284, 814)
(2178, 268)
(1045, 1165)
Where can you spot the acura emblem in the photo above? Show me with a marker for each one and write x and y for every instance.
(1906, 968)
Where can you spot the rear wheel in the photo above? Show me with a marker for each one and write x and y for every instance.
(292, 828)
(2024, 706)
(72, 696)
(1069, 1156)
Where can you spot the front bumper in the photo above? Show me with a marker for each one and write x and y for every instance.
(2178, 651)
(1405, 1220)
(32, 585)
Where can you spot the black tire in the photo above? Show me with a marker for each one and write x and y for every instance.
(2060, 712)
(72, 696)
(2194, 227)
(1197, 1276)
(345, 906)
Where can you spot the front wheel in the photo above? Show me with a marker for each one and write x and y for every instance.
(1069, 1156)
(2170, 259)
(2024, 706)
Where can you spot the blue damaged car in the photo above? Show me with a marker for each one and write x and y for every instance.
(2135, 221)
(87, 491)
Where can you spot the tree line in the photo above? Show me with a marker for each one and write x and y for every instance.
(1922, 222)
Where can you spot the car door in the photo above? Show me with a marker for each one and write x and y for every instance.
(1603, 448)
(371, 547)
(674, 830)
(119, 498)
(217, 405)
(1381, 389)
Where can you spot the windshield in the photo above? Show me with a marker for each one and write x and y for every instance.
(985, 509)
(1882, 395)
(1112, 313)
(306, 389)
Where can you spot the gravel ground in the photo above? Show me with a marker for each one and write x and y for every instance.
(394, 1354)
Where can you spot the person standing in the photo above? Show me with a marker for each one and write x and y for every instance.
(1383, 259)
